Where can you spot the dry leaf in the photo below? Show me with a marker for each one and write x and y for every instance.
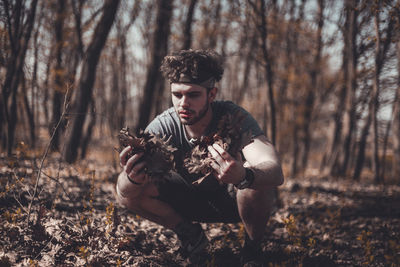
(229, 136)
(159, 156)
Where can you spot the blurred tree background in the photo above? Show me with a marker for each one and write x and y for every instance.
(321, 77)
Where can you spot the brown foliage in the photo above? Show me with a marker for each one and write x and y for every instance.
(322, 222)
(159, 154)
(229, 136)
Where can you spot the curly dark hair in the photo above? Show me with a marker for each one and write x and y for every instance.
(199, 65)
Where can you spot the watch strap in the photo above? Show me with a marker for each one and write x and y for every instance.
(132, 181)
(247, 180)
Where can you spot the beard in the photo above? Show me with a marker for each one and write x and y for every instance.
(202, 112)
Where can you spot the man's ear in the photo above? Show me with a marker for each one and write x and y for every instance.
(212, 94)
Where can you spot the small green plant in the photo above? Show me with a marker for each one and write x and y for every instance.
(10, 187)
(293, 231)
(311, 242)
(22, 149)
(33, 263)
(334, 217)
(12, 217)
(86, 219)
(365, 238)
(393, 254)
(300, 239)
(91, 196)
(241, 233)
(109, 218)
(84, 254)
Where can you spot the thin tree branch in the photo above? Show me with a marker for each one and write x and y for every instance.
(45, 156)
(9, 24)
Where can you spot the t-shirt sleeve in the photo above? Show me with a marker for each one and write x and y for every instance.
(249, 123)
(154, 127)
(165, 126)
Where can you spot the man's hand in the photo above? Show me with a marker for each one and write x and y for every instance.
(228, 169)
(133, 167)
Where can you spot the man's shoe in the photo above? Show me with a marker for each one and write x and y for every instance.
(192, 237)
(253, 263)
(251, 254)
(252, 258)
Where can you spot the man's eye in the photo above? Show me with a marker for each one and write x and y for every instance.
(177, 95)
(192, 95)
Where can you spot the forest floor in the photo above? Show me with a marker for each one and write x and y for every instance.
(74, 221)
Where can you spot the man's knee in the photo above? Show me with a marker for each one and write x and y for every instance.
(135, 202)
(256, 201)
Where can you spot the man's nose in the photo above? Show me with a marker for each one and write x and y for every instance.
(185, 101)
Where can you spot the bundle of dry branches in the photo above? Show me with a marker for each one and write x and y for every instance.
(159, 156)
(159, 153)
(229, 136)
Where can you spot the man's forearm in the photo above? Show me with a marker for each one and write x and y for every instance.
(125, 189)
(267, 174)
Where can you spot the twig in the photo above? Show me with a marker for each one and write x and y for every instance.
(19, 203)
(59, 183)
(15, 197)
(45, 155)
(48, 242)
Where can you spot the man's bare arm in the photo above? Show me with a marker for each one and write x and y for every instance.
(130, 186)
(262, 158)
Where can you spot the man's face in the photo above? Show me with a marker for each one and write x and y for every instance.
(191, 101)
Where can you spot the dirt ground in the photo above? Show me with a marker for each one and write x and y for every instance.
(75, 221)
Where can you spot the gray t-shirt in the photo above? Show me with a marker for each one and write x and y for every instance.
(168, 124)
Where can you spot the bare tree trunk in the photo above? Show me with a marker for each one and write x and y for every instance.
(361, 149)
(386, 137)
(34, 83)
(294, 168)
(45, 100)
(213, 37)
(118, 99)
(77, 11)
(187, 31)
(123, 87)
(13, 118)
(19, 26)
(381, 48)
(341, 166)
(393, 118)
(294, 39)
(224, 33)
(87, 78)
(76, 51)
(247, 68)
(58, 92)
(374, 103)
(290, 39)
(28, 112)
(3, 120)
(113, 106)
(86, 139)
(120, 70)
(310, 99)
(160, 48)
(260, 9)
(396, 122)
(105, 122)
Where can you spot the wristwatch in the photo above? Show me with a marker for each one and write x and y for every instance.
(247, 180)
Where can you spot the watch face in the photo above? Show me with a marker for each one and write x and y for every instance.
(245, 184)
